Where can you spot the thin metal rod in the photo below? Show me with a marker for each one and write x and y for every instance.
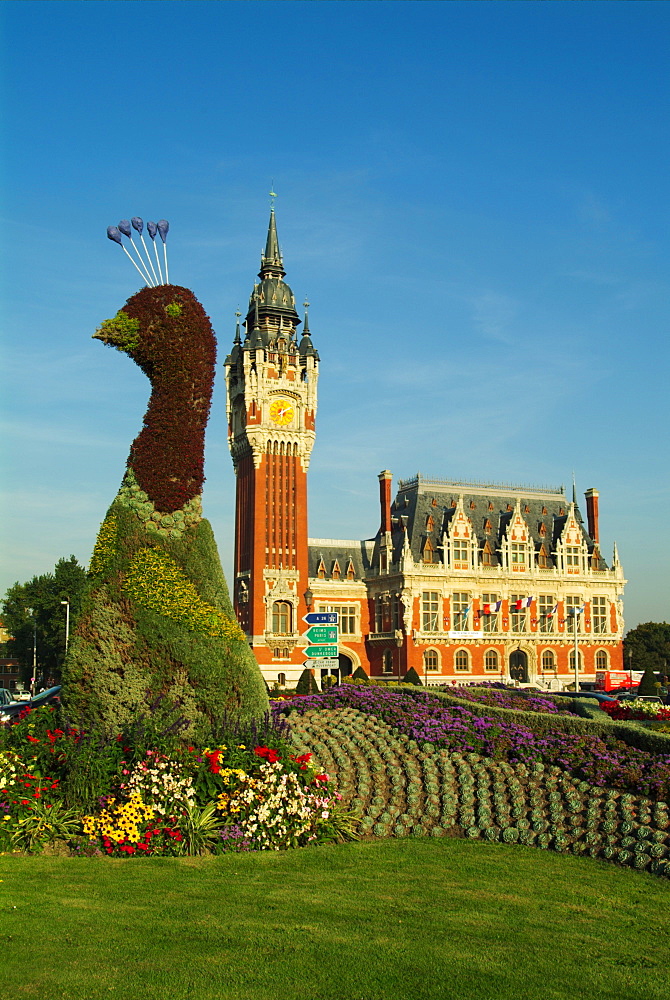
(148, 276)
(146, 250)
(167, 279)
(143, 276)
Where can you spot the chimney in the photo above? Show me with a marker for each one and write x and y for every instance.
(385, 478)
(592, 513)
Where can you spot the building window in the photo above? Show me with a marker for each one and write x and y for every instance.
(281, 618)
(572, 558)
(281, 654)
(599, 615)
(430, 523)
(460, 552)
(430, 611)
(462, 660)
(351, 573)
(460, 612)
(519, 619)
(321, 571)
(379, 614)
(580, 661)
(347, 613)
(548, 660)
(396, 612)
(428, 551)
(489, 622)
(431, 661)
(336, 574)
(387, 661)
(546, 604)
(518, 557)
(487, 555)
(602, 660)
(281, 680)
(491, 660)
(573, 601)
(543, 560)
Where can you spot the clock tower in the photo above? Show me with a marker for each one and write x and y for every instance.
(271, 382)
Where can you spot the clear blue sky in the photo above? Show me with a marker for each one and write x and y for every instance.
(473, 196)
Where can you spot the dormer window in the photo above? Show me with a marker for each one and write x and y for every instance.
(336, 573)
(472, 505)
(453, 503)
(351, 573)
(487, 555)
(430, 523)
(460, 551)
(543, 558)
(544, 511)
(487, 526)
(321, 571)
(490, 505)
(542, 529)
(428, 551)
(526, 509)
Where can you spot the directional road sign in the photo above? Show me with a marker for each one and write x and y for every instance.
(322, 618)
(329, 664)
(318, 652)
(322, 633)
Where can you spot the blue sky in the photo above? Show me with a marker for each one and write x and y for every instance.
(473, 196)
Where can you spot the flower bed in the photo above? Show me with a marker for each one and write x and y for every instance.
(501, 697)
(603, 760)
(638, 710)
(118, 797)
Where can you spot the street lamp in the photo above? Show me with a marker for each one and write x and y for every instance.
(66, 602)
(33, 679)
(399, 638)
(575, 612)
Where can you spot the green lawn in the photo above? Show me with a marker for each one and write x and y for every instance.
(411, 919)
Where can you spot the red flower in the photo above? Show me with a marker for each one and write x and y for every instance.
(321, 777)
(33, 739)
(37, 795)
(214, 759)
(303, 759)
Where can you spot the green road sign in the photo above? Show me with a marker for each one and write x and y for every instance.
(318, 652)
(322, 633)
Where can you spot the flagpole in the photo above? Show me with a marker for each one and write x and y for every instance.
(575, 614)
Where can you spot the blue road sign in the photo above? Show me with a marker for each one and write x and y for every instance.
(322, 618)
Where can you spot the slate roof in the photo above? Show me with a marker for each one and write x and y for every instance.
(332, 549)
(543, 508)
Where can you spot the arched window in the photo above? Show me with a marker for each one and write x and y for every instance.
(580, 662)
(281, 680)
(491, 660)
(462, 660)
(387, 661)
(602, 660)
(548, 660)
(431, 660)
(281, 618)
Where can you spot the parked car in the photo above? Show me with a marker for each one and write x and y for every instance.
(597, 695)
(5, 696)
(639, 697)
(49, 697)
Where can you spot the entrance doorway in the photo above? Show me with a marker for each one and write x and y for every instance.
(518, 666)
(346, 666)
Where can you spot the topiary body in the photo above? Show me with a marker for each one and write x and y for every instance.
(157, 619)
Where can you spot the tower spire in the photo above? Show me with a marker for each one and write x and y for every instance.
(271, 262)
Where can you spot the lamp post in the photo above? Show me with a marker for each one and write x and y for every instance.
(309, 598)
(33, 679)
(575, 612)
(66, 602)
(399, 638)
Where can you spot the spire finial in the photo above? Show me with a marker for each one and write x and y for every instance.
(238, 339)
(273, 195)
(574, 488)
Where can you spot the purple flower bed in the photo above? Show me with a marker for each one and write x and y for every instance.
(506, 698)
(602, 761)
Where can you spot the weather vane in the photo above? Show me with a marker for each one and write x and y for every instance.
(161, 227)
(272, 195)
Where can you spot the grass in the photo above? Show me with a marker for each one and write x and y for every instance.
(410, 919)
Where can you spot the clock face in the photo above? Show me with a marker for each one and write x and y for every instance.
(281, 412)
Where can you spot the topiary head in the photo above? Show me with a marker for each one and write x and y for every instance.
(158, 325)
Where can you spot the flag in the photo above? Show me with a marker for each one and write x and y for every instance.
(491, 609)
(523, 602)
(576, 611)
(550, 614)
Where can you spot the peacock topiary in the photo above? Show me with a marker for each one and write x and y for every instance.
(157, 621)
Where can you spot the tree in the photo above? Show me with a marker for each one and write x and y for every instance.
(648, 645)
(33, 610)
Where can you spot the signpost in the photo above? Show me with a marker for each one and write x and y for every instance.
(322, 639)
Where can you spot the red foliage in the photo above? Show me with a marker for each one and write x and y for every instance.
(177, 353)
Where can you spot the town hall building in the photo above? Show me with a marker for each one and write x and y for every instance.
(462, 581)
